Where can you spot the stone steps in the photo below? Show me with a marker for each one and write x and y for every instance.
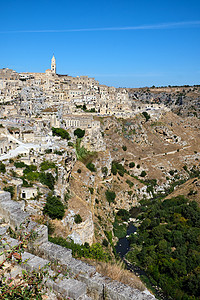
(67, 287)
(55, 252)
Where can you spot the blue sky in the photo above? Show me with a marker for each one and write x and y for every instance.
(123, 43)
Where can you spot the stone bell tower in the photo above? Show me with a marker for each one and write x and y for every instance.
(53, 64)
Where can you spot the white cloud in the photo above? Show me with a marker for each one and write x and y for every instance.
(172, 25)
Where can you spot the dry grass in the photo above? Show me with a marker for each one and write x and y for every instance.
(117, 272)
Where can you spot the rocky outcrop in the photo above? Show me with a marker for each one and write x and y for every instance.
(80, 233)
(93, 141)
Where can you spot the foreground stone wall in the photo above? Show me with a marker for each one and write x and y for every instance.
(94, 284)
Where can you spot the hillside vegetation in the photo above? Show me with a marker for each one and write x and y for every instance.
(167, 246)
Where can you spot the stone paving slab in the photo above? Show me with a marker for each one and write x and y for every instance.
(56, 252)
(119, 291)
(17, 218)
(31, 262)
(9, 206)
(77, 266)
(70, 287)
(95, 284)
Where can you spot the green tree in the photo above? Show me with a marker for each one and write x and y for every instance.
(131, 165)
(110, 196)
(91, 167)
(79, 133)
(114, 169)
(146, 115)
(45, 165)
(64, 134)
(104, 170)
(77, 219)
(143, 174)
(47, 179)
(54, 208)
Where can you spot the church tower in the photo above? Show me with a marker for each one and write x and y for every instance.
(53, 64)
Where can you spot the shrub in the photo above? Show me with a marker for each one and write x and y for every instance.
(138, 166)
(54, 208)
(91, 167)
(58, 152)
(45, 165)
(94, 252)
(124, 147)
(2, 168)
(31, 176)
(77, 219)
(79, 171)
(132, 165)
(114, 169)
(79, 133)
(171, 172)
(70, 144)
(20, 164)
(130, 183)
(29, 169)
(124, 214)
(110, 196)
(48, 151)
(146, 115)
(117, 167)
(143, 174)
(64, 134)
(104, 170)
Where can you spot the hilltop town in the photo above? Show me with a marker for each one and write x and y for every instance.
(77, 157)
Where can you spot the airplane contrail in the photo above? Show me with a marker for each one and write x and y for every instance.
(173, 25)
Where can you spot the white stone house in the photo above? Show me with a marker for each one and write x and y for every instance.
(28, 192)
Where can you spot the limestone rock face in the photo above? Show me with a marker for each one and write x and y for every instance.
(94, 141)
(80, 233)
